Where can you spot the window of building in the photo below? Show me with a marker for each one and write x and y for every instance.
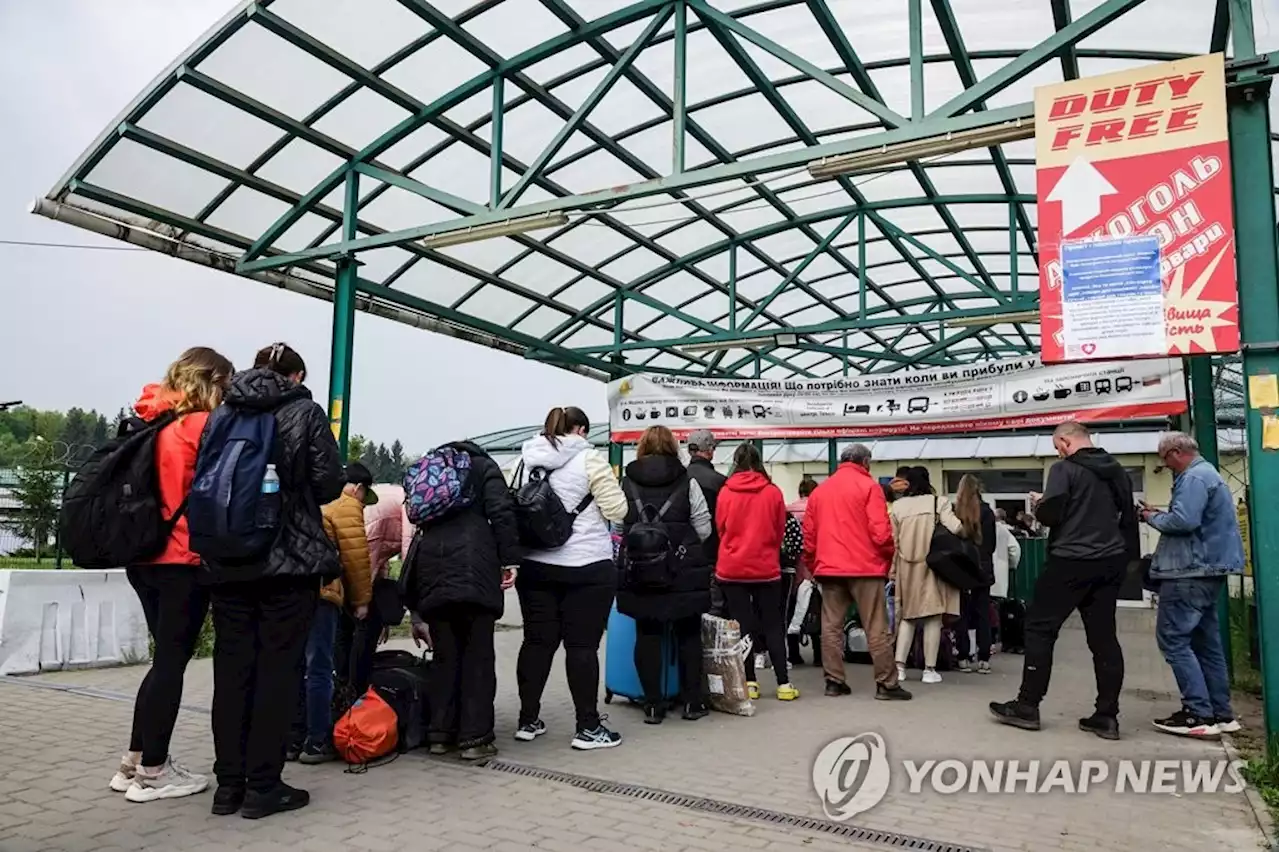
(999, 481)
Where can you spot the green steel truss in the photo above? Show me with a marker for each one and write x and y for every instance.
(713, 235)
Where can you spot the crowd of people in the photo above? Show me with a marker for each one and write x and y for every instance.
(666, 543)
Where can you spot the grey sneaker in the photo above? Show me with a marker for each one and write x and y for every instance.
(530, 732)
(984, 667)
(121, 781)
(964, 666)
(173, 781)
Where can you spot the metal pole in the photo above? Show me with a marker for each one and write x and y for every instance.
(1256, 268)
(833, 455)
(678, 88)
(862, 265)
(344, 321)
(1013, 246)
(57, 528)
(1199, 369)
(759, 444)
(733, 287)
(495, 145)
(915, 28)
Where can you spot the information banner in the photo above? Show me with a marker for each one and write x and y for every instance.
(1019, 393)
(1137, 153)
(1112, 299)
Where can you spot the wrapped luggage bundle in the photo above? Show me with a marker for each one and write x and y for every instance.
(723, 650)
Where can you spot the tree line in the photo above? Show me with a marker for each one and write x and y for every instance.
(387, 464)
(68, 436)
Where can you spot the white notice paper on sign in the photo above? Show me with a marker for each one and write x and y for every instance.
(1112, 299)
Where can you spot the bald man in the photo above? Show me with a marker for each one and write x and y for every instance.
(1093, 534)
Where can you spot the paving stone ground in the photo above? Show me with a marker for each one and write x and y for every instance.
(63, 732)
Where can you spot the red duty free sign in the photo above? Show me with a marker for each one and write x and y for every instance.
(1141, 152)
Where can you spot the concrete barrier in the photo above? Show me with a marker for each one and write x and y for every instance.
(72, 619)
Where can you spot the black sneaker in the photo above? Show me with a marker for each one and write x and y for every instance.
(530, 732)
(293, 752)
(891, 693)
(439, 749)
(483, 751)
(694, 711)
(227, 800)
(1017, 714)
(313, 755)
(597, 737)
(835, 689)
(653, 714)
(278, 799)
(1106, 727)
(1227, 724)
(1187, 724)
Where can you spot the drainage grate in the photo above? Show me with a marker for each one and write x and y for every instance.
(889, 839)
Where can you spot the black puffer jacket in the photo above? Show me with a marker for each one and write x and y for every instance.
(656, 478)
(458, 559)
(311, 474)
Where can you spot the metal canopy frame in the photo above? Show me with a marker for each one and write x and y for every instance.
(711, 242)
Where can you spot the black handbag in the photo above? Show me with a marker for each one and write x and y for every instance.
(387, 602)
(955, 560)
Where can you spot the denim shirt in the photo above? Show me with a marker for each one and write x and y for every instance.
(1200, 534)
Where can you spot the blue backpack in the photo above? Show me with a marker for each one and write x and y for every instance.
(233, 511)
(436, 484)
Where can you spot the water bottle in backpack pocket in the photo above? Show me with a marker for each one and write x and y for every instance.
(651, 556)
(235, 506)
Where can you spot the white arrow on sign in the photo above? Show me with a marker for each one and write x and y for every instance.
(1080, 189)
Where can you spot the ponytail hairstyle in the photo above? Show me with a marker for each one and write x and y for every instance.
(281, 358)
(198, 377)
(562, 421)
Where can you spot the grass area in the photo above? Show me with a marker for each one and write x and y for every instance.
(1245, 677)
(24, 563)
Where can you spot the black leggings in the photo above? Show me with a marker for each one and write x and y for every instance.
(569, 614)
(174, 605)
(757, 607)
(651, 664)
(975, 614)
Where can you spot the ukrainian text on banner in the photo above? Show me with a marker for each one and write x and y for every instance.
(974, 397)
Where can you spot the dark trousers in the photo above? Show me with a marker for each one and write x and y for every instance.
(556, 613)
(318, 682)
(174, 604)
(261, 629)
(975, 614)
(757, 607)
(651, 662)
(1091, 586)
(463, 681)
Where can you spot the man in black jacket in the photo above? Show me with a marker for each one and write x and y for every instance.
(1093, 535)
(702, 448)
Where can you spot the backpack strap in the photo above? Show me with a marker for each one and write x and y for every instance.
(667, 505)
(583, 504)
(176, 516)
(630, 491)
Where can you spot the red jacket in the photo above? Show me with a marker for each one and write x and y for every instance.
(751, 517)
(176, 448)
(847, 532)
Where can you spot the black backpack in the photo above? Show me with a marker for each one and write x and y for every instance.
(111, 515)
(401, 679)
(650, 555)
(541, 517)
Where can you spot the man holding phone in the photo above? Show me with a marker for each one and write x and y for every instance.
(1088, 507)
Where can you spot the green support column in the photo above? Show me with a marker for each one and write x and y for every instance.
(733, 287)
(615, 458)
(759, 444)
(344, 321)
(1256, 267)
(1204, 424)
(833, 455)
(495, 145)
(679, 42)
(1013, 246)
(862, 265)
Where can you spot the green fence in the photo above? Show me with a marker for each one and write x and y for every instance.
(1029, 568)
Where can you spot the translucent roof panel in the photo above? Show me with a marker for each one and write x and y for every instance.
(546, 177)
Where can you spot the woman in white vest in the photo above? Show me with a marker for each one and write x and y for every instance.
(566, 592)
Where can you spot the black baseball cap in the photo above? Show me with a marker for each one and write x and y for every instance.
(358, 474)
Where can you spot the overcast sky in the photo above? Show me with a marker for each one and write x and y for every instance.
(89, 328)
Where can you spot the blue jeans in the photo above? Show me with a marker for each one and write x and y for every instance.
(1187, 633)
(319, 688)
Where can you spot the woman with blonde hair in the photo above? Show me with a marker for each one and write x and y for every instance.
(173, 600)
(922, 598)
(975, 605)
(667, 582)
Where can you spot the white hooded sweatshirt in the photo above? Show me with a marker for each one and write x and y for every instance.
(576, 469)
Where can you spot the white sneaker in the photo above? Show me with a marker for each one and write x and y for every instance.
(124, 775)
(984, 667)
(171, 782)
(902, 672)
(1227, 726)
(930, 676)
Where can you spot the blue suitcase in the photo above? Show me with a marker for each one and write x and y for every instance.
(620, 675)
